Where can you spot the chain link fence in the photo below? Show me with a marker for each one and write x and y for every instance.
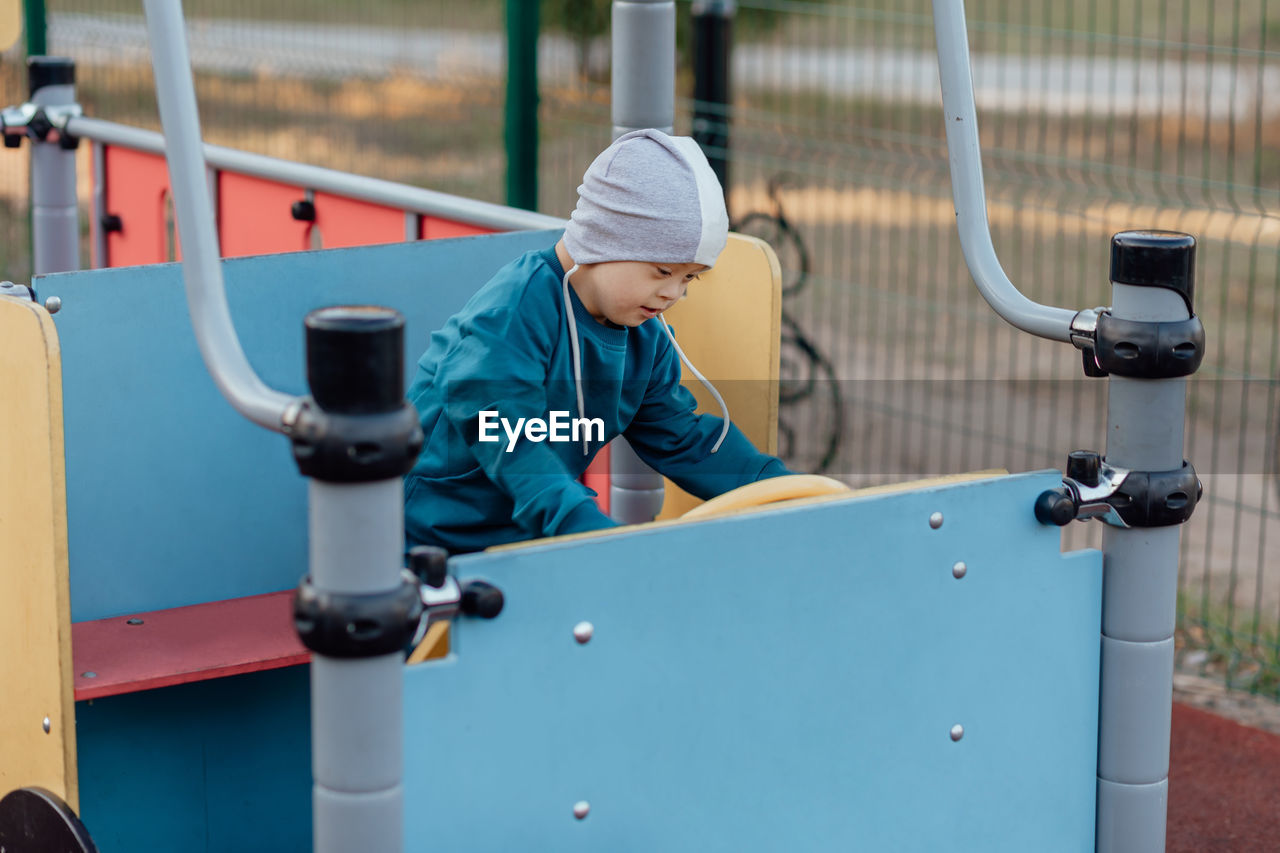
(1095, 117)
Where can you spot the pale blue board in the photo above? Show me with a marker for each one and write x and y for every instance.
(781, 681)
(172, 497)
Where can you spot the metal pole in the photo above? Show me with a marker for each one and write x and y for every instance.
(33, 15)
(210, 316)
(354, 438)
(1152, 275)
(1148, 342)
(356, 546)
(55, 225)
(712, 45)
(373, 190)
(521, 132)
(644, 65)
(967, 185)
(357, 610)
(644, 90)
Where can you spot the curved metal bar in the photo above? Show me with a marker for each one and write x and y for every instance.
(201, 270)
(373, 190)
(967, 186)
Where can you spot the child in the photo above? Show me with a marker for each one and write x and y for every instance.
(566, 348)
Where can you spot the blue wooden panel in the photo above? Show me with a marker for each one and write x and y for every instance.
(779, 681)
(173, 498)
(201, 768)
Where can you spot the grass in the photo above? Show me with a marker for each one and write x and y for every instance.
(1242, 651)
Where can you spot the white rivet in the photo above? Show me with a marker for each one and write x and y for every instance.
(581, 809)
(959, 570)
(935, 520)
(957, 731)
(53, 305)
(47, 725)
(582, 632)
(89, 674)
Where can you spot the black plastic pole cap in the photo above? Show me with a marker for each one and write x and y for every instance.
(1155, 259)
(50, 71)
(355, 359)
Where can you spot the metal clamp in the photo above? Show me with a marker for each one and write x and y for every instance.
(352, 448)
(350, 625)
(1149, 350)
(443, 597)
(41, 123)
(1084, 327)
(1137, 349)
(1118, 496)
(1084, 334)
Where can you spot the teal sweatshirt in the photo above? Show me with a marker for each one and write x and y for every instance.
(507, 353)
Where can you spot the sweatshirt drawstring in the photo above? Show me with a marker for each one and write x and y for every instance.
(714, 393)
(573, 351)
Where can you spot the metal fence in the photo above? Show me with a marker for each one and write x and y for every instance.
(1095, 117)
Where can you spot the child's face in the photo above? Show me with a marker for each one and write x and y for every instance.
(626, 293)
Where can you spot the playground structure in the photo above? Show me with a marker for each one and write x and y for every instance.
(618, 709)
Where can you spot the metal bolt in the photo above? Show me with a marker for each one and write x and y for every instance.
(134, 621)
(89, 674)
(581, 809)
(935, 520)
(53, 305)
(582, 632)
(957, 731)
(289, 417)
(46, 725)
(959, 570)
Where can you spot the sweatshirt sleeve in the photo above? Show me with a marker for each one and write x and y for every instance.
(500, 364)
(670, 437)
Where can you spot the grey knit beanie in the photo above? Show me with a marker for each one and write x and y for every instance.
(649, 197)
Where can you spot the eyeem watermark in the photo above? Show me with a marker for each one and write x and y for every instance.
(559, 427)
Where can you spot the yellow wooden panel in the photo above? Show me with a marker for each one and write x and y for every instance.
(10, 23)
(434, 645)
(35, 606)
(730, 327)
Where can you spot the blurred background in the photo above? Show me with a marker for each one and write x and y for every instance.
(1094, 116)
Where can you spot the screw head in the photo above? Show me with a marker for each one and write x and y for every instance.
(47, 725)
(959, 570)
(89, 674)
(581, 809)
(957, 731)
(134, 621)
(53, 305)
(582, 632)
(935, 520)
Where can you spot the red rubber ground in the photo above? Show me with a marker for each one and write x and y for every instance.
(1224, 786)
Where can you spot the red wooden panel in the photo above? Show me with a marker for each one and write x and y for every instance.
(254, 217)
(597, 477)
(185, 644)
(136, 186)
(434, 228)
(346, 222)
